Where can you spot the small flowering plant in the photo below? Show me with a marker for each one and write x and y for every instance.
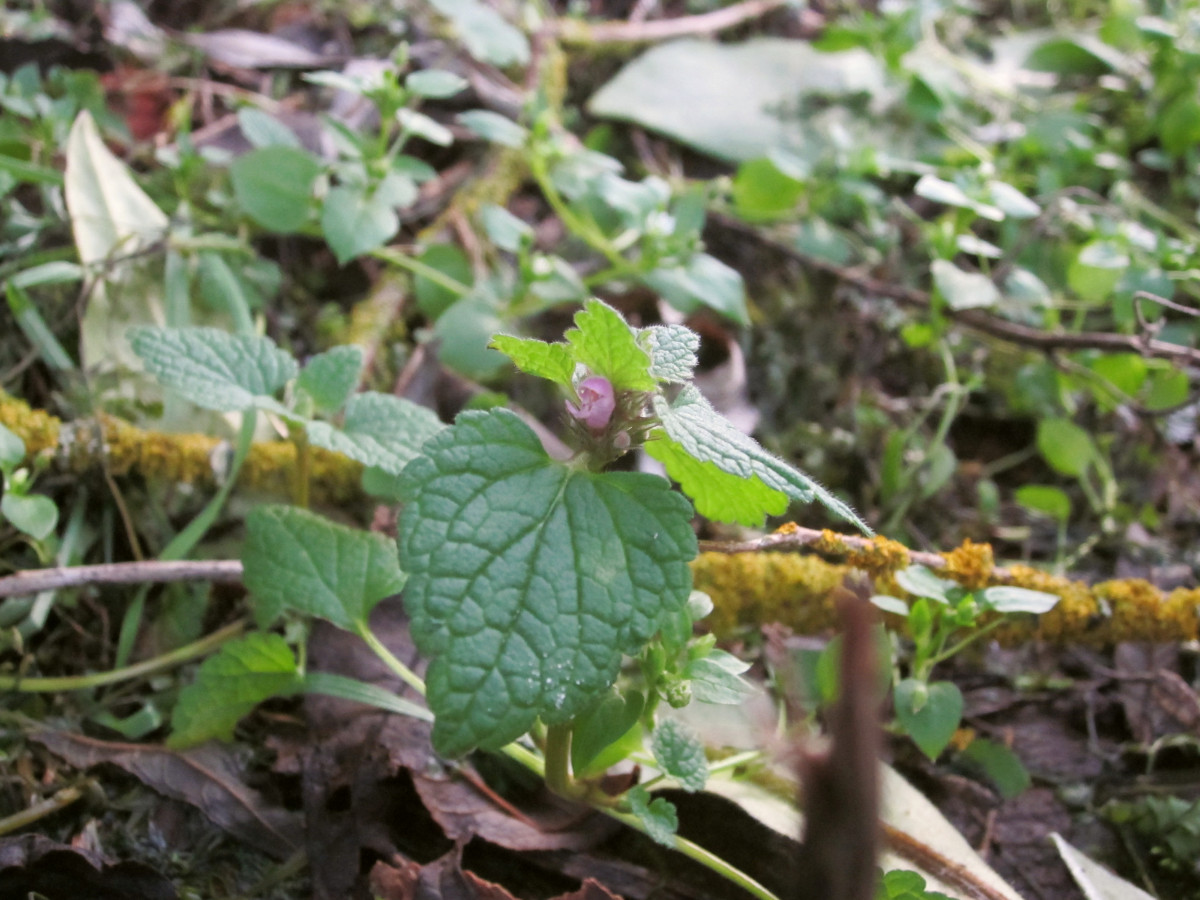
(530, 582)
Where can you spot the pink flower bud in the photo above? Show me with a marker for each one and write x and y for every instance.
(596, 402)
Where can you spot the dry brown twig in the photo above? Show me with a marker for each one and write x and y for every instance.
(643, 32)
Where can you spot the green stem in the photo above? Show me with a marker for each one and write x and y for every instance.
(27, 817)
(558, 761)
(199, 648)
(706, 858)
(424, 270)
(589, 232)
(407, 675)
(955, 648)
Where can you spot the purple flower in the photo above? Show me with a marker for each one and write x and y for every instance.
(596, 402)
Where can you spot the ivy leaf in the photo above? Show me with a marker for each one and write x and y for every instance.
(658, 815)
(708, 436)
(529, 579)
(378, 430)
(32, 514)
(929, 713)
(298, 561)
(673, 350)
(718, 495)
(680, 754)
(550, 361)
(331, 377)
(214, 369)
(229, 684)
(604, 342)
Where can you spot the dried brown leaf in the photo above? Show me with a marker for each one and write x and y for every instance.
(208, 777)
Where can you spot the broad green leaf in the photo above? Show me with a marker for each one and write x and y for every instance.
(938, 190)
(1011, 201)
(929, 714)
(355, 222)
(680, 754)
(718, 495)
(1000, 764)
(297, 561)
(599, 736)
(33, 514)
(229, 684)
(504, 229)
(215, 369)
(274, 186)
(702, 281)
(1097, 269)
(890, 604)
(422, 126)
(550, 361)
(494, 127)
(709, 437)
(12, 449)
(487, 35)
(528, 579)
(604, 342)
(262, 129)
(1066, 446)
(963, 290)
(657, 815)
(463, 333)
(1126, 371)
(1046, 499)
(673, 351)
(331, 377)
(378, 430)
(921, 582)
(1168, 388)
(717, 678)
(434, 298)
(1007, 599)
(725, 99)
(762, 192)
(436, 84)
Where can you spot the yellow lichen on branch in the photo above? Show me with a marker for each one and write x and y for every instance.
(81, 446)
(757, 587)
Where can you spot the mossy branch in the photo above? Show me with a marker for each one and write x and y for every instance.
(751, 587)
(80, 446)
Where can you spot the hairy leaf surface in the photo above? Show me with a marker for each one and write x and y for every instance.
(709, 437)
(378, 430)
(230, 684)
(529, 578)
(297, 560)
(215, 369)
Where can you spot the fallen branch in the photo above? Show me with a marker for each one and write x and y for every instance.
(976, 319)
(35, 581)
(571, 31)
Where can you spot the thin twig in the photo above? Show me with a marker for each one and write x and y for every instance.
(150, 571)
(978, 320)
(571, 31)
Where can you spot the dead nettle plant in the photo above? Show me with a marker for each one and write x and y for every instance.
(531, 582)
